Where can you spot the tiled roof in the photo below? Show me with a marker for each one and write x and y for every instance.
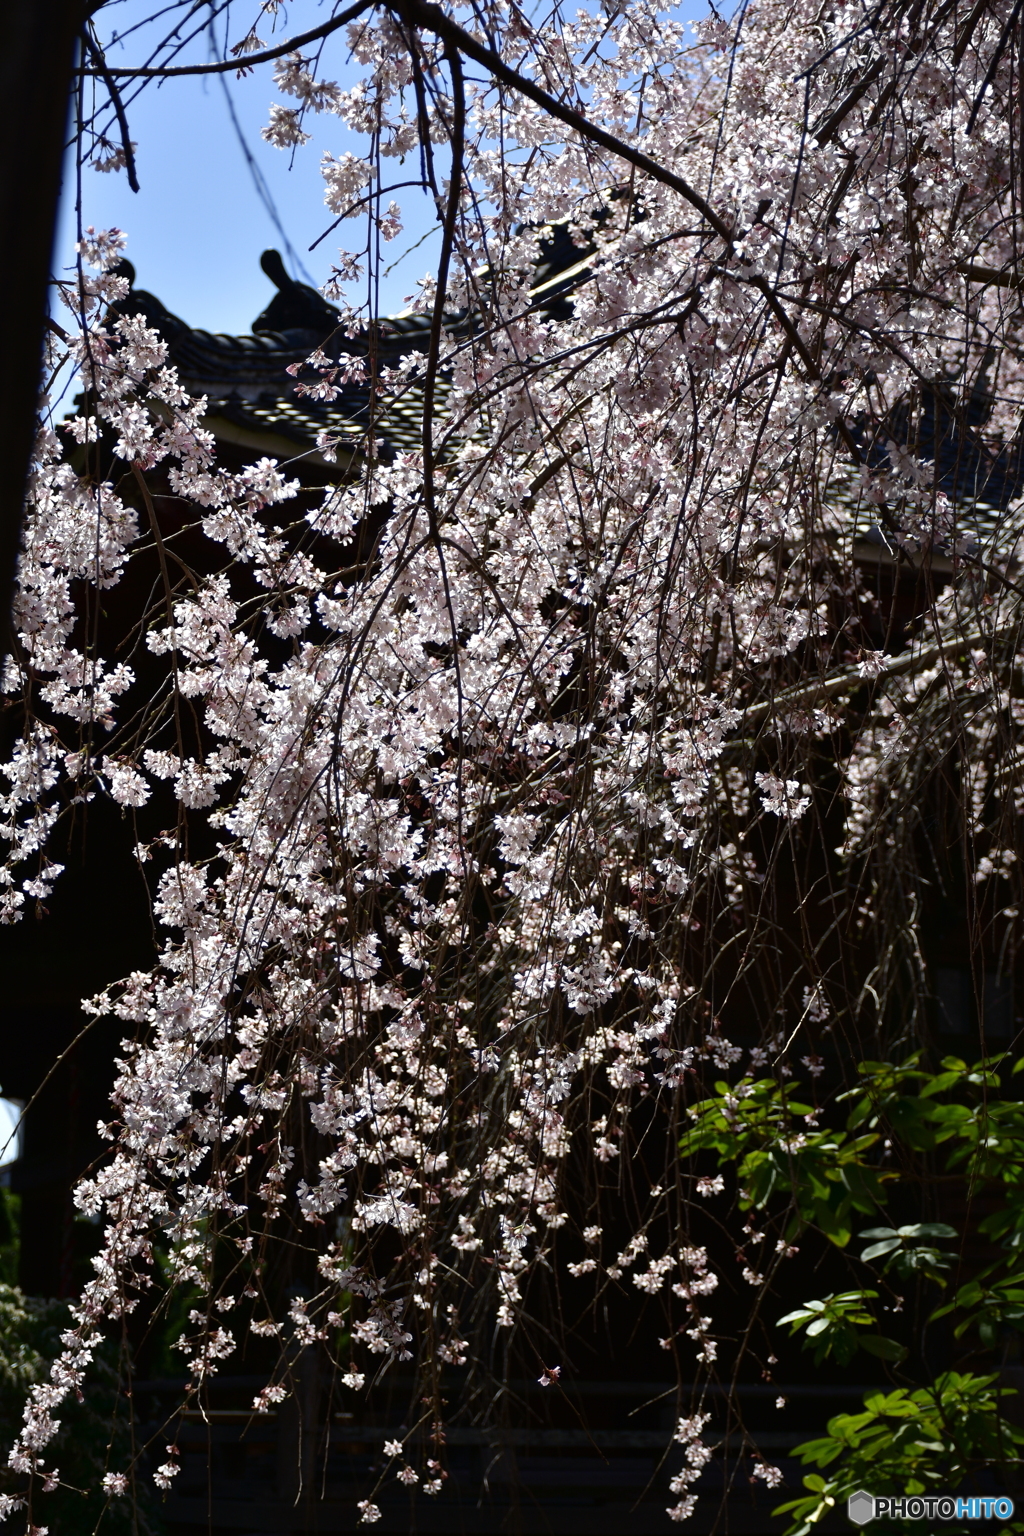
(253, 401)
(252, 398)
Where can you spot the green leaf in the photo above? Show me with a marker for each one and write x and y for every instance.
(859, 1113)
(927, 1229)
(942, 1080)
(878, 1250)
(800, 1316)
(885, 1349)
(832, 1224)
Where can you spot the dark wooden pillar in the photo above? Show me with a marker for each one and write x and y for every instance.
(37, 49)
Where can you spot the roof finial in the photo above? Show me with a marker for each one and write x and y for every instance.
(274, 267)
(295, 306)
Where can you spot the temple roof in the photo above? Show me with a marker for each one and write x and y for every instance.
(253, 404)
(252, 399)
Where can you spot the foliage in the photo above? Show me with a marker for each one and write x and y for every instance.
(10, 1228)
(833, 1322)
(904, 1255)
(93, 1434)
(826, 1175)
(908, 1442)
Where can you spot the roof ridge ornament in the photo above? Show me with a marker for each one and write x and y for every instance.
(295, 307)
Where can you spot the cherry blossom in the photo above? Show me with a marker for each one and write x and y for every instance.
(494, 739)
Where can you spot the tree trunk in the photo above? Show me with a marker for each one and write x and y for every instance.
(36, 61)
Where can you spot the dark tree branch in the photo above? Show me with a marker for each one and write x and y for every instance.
(244, 61)
(431, 17)
(122, 121)
(424, 13)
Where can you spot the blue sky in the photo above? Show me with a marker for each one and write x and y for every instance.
(198, 224)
